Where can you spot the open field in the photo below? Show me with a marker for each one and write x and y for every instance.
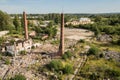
(76, 34)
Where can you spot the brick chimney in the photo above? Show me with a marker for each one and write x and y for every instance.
(25, 26)
(61, 47)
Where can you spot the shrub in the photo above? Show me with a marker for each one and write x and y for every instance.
(112, 72)
(0, 56)
(81, 41)
(101, 55)
(93, 76)
(93, 51)
(68, 69)
(118, 42)
(18, 77)
(23, 52)
(64, 56)
(67, 54)
(56, 65)
(33, 47)
(7, 61)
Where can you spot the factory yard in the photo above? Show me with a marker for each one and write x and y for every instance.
(40, 56)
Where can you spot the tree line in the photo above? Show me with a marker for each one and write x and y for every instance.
(109, 24)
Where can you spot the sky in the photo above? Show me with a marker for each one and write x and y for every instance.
(58, 6)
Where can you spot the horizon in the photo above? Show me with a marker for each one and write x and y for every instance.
(53, 6)
(68, 13)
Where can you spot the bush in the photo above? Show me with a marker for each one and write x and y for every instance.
(68, 69)
(0, 56)
(56, 65)
(5, 21)
(101, 55)
(93, 51)
(7, 61)
(93, 76)
(64, 56)
(33, 47)
(23, 52)
(18, 77)
(112, 73)
(81, 41)
(67, 54)
(118, 42)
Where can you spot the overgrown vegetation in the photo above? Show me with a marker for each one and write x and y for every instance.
(23, 52)
(7, 61)
(2, 40)
(100, 69)
(93, 51)
(49, 30)
(18, 77)
(17, 24)
(67, 55)
(109, 24)
(0, 56)
(5, 21)
(57, 65)
(68, 69)
(81, 41)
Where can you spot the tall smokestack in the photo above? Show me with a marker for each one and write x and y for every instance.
(61, 47)
(25, 26)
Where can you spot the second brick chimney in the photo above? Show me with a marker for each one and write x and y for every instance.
(61, 47)
(25, 26)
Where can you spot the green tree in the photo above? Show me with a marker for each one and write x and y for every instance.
(57, 19)
(98, 18)
(16, 23)
(97, 31)
(93, 51)
(5, 21)
(50, 30)
(22, 22)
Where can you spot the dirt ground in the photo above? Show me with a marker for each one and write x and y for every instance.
(72, 36)
(76, 34)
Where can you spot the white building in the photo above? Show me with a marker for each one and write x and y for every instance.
(85, 21)
(81, 21)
